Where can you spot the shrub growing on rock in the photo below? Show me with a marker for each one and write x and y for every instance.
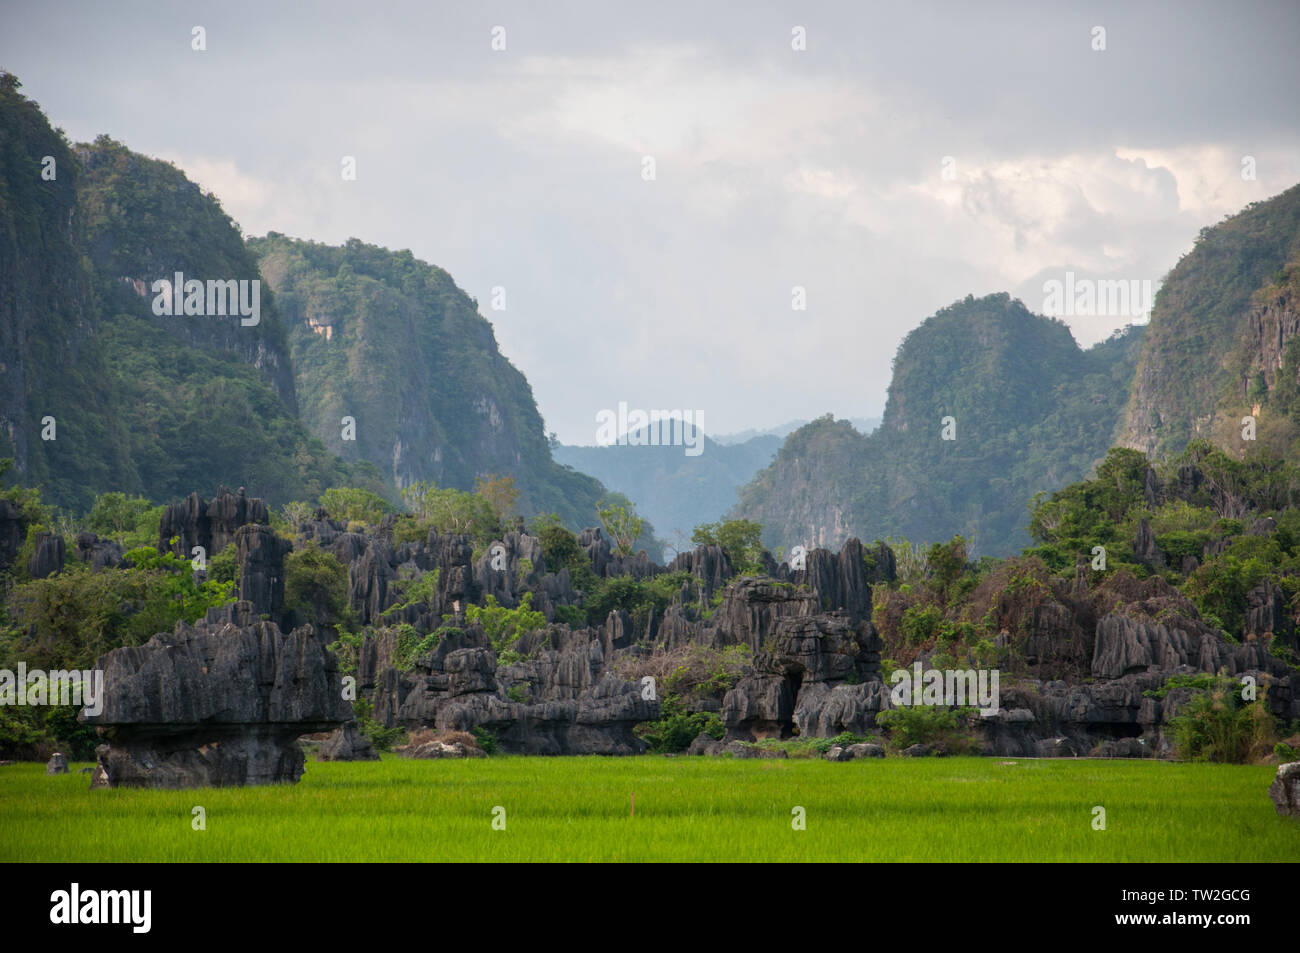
(1216, 724)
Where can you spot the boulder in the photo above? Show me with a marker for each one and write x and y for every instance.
(705, 743)
(347, 743)
(1285, 789)
(58, 764)
(917, 751)
(738, 749)
(1122, 748)
(439, 749)
(866, 750)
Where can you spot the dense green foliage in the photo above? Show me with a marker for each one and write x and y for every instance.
(66, 621)
(619, 520)
(1218, 725)
(638, 597)
(315, 588)
(677, 727)
(925, 725)
(1106, 512)
(741, 540)
(504, 626)
(446, 510)
(131, 520)
(355, 505)
(71, 618)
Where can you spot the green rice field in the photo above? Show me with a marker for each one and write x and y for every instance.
(694, 809)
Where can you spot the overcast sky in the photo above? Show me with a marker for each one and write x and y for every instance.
(822, 168)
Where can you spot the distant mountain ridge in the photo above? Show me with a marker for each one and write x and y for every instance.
(676, 492)
(1027, 409)
(863, 425)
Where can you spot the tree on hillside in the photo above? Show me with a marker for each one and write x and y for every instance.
(620, 521)
(741, 540)
(500, 493)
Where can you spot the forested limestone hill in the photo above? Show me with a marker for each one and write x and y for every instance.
(1030, 411)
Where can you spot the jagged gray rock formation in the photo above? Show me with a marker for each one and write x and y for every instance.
(219, 703)
(47, 556)
(1131, 636)
(816, 658)
(838, 580)
(1145, 549)
(1267, 614)
(13, 532)
(1125, 646)
(572, 703)
(820, 677)
(261, 568)
(99, 553)
(208, 523)
(1285, 789)
(815, 668)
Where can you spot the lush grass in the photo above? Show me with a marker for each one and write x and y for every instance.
(952, 809)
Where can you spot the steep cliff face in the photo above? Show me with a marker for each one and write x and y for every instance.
(988, 405)
(145, 221)
(392, 343)
(1268, 331)
(46, 304)
(1210, 332)
(100, 392)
